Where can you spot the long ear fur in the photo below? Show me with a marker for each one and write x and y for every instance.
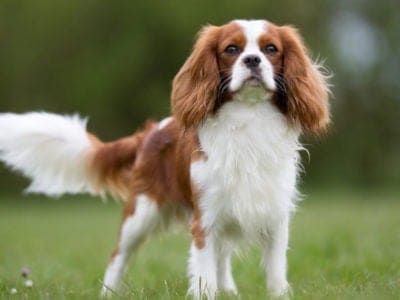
(307, 90)
(195, 86)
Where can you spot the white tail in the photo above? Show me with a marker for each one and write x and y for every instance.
(51, 150)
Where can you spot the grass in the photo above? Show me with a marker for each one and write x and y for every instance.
(344, 245)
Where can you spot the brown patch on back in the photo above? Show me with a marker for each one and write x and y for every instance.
(153, 161)
(112, 163)
(155, 173)
(162, 168)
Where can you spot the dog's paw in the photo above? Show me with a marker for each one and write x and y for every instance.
(106, 293)
(281, 291)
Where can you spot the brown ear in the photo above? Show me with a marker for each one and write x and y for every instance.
(195, 86)
(307, 90)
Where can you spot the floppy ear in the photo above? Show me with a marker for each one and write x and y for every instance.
(307, 90)
(195, 86)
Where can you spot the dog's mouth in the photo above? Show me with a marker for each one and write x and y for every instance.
(254, 87)
(253, 90)
(254, 81)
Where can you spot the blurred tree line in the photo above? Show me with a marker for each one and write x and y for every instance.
(114, 61)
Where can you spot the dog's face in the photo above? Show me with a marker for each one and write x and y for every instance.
(246, 55)
(257, 61)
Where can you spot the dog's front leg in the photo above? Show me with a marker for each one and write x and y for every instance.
(275, 259)
(225, 279)
(203, 269)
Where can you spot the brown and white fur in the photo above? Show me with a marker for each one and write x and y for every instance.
(227, 158)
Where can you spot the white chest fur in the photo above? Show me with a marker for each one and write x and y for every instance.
(248, 181)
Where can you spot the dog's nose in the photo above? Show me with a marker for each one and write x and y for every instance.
(252, 61)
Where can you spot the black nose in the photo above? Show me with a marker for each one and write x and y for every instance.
(251, 61)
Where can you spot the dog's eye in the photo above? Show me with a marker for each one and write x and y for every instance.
(232, 50)
(269, 49)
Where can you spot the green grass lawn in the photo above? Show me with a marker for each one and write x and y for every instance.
(343, 246)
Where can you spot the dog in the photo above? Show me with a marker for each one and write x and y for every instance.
(226, 161)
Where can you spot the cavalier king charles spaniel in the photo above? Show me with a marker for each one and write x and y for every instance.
(226, 162)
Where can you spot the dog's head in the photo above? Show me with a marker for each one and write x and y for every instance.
(254, 61)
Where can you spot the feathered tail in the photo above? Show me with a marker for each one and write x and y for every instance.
(60, 156)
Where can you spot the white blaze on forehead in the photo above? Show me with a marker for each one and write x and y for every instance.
(253, 30)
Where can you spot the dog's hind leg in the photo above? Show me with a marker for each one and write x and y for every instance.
(141, 216)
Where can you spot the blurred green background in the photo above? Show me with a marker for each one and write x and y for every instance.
(114, 62)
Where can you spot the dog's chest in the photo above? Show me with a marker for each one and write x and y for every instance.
(248, 179)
